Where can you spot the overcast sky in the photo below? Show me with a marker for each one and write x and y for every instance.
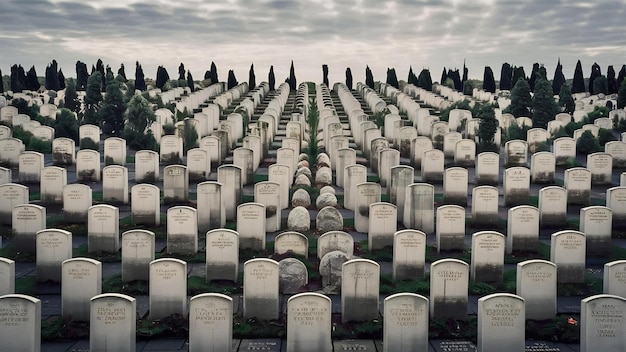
(341, 33)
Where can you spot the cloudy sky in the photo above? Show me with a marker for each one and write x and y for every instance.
(340, 33)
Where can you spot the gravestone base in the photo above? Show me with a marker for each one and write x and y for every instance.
(553, 220)
(450, 307)
(136, 271)
(524, 244)
(571, 274)
(360, 309)
(485, 219)
(598, 247)
(409, 272)
(251, 243)
(102, 243)
(221, 271)
(451, 242)
(488, 273)
(432, 177)
(148, 219)
(578, 197)
(182, 244)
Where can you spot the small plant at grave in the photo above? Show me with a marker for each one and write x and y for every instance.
(38, 145)
(88, 143)
(174, 325)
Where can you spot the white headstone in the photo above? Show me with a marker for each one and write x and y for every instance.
(567, 251)
(168, 288)
(113, 323)
(602, 323)
(182, 230)
(20, 323)
(360, 284)
(487, 258)
(145, 204)
(261, 289)
(53, 247)
(449, 282)
(222, 255)
(536, 283)
(405, 326)
(501, 323)
(137, 253)
(115, 184)
(409, 255)
(210, 323)
(81, 280)
(103, 234)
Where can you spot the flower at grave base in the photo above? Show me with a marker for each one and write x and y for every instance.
(572, 321)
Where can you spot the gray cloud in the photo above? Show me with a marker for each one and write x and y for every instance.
(381, 34)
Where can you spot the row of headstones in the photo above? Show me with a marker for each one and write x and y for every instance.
(54, 246)
(501, 317)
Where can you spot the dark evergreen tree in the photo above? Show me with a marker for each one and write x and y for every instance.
(544, 107)
(533, 77)
(325, 74)
(621, 75)
(369, 78)
(271, 80)
(32, 82)
(600, 85)
(506, 74)
(520, 99)
(139, 117)
(392, 78)
(595, 73)
(566, 101)
(51, 81)
(349, 78)
(93, 97)
(1, 83)
(518, 72)
(181, 72)
(292, 78)
(71, 98)
(456, 78)
(232, 81)
(578, 83)
(424, 80)
(214, 78)
(100, 68)
(412, 79)
(251, 78)
(444, 76)
(66, 125)
(190, 83)
(111, 111)
(611, 80)
(140, 81)
(489, 82)
(488, 126)
(621, 95)
(81, 76)
(61, 78)
(93, 70)
(207, 75)
(18, 78)
(559, 78)
(122, 72)
(161, 77)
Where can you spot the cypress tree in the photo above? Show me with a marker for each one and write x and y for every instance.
(533, 77)
(271, 79)
(411, 78)
(600, 85)
(444, 76)
(100, 68)
(181, 72)
(122, 72)
(544, 107)
(621, 75)
(190, 81)
(214, 78)
(18, 78)
(1, 83)
(349, 78)
(325, 74)
(232, 81)
(456, 78)
(81, 76)
(578, 83)
(111, 111)
(71, 98)
(621, 95)
(559, 78)
(595, 73)
(611, 80)
(292, 78)
(140, 82)
(518, 72)
(489, 83)
(424, 80)
(93, 97)
(32, 82)
(207, 75)
(369, 79)
(506, 74)
(392, 78)
(162, 77)
(51, 81)
(61, 78)
(251, 78)
(566, 101)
